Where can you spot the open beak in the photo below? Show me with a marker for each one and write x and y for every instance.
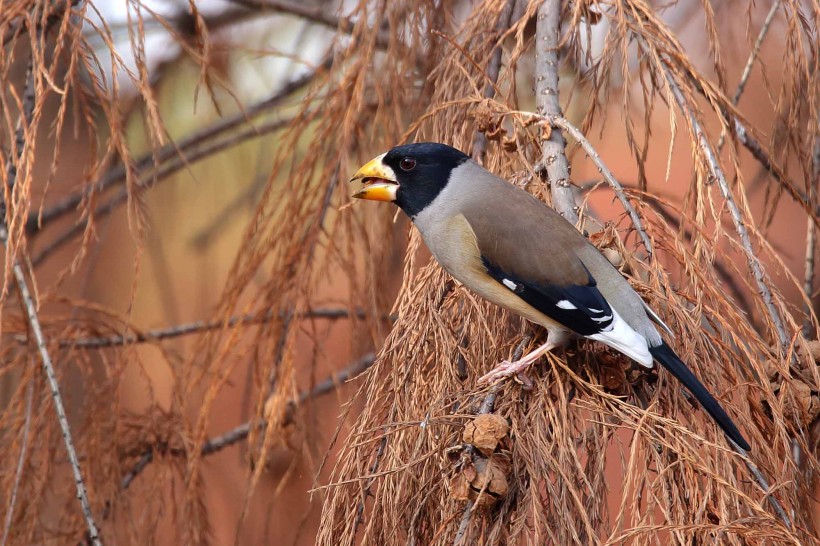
(379, 181)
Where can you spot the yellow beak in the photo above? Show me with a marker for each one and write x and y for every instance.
(380, 182)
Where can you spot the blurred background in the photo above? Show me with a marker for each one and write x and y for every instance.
(213, 301)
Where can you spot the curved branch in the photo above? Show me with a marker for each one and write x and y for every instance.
(175, 164)
(737, 217)
(576, 133)
(241, 432)
(117, 175)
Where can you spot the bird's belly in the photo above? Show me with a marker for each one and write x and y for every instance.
(453, 246)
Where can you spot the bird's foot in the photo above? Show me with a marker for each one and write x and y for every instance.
(517, 367)
(506, 369)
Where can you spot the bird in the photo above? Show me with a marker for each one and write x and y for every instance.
(513, 250)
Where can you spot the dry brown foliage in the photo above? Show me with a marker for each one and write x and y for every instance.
(596, 451)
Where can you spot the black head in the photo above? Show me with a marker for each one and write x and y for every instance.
(422, 170)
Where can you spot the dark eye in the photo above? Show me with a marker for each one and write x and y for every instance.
(407, 163)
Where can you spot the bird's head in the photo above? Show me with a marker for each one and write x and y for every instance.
(410, 176)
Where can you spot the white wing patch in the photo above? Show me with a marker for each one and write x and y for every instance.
(620, 336)
(565, 304)
(509, 284)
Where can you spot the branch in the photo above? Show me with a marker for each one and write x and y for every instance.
(754, 266)
(118, 174)
(493, 69)
(175, 164)
(487, 406)
(314, 13)
(200, 326)
(48, 366)
(764, 484)
(18, 474)
(756, 149)
(811, 242)
(26, 117)
(241, 432)
(737, 217)
(607, 174)
(747, 70)
(553, 155)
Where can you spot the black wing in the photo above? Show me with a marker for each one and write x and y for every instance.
(581, 308)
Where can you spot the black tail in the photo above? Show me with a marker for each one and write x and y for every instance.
(666, 356)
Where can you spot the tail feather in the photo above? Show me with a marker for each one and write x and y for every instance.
(669, 360)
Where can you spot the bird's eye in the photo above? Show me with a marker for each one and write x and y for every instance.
(407, 163)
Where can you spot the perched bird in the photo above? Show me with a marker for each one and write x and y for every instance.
(513, 250)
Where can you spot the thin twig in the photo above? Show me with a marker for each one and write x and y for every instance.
(737, 217)
(200, 326)
(764, 484)
(145, 459)
(564, 124)
(118, 174)
(553, 154)
(21, 460)
(493, 69)
(26, 117)
(747, 70)
(756, 149)
(241, 432)
(754, 264)
(42, 347)
(315, 13)
(811, 243)
(175, 164)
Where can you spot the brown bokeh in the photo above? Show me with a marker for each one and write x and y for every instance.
(265, 225)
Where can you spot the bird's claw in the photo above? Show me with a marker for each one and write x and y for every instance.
(506, 369)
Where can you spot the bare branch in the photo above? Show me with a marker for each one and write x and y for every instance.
(756, 149)
(315, 13)
(175, 164)
(493, 69)
(754, 265)
(42, 347)
(487, 406)
(747, 70)
(564, 124)
(553, 154)
(200, 326)
(737, 217)
(174, 150)
(21, 461)
(764, 484)
(26, 117)
(241, 432)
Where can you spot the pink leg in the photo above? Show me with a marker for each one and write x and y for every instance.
(555, 338)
